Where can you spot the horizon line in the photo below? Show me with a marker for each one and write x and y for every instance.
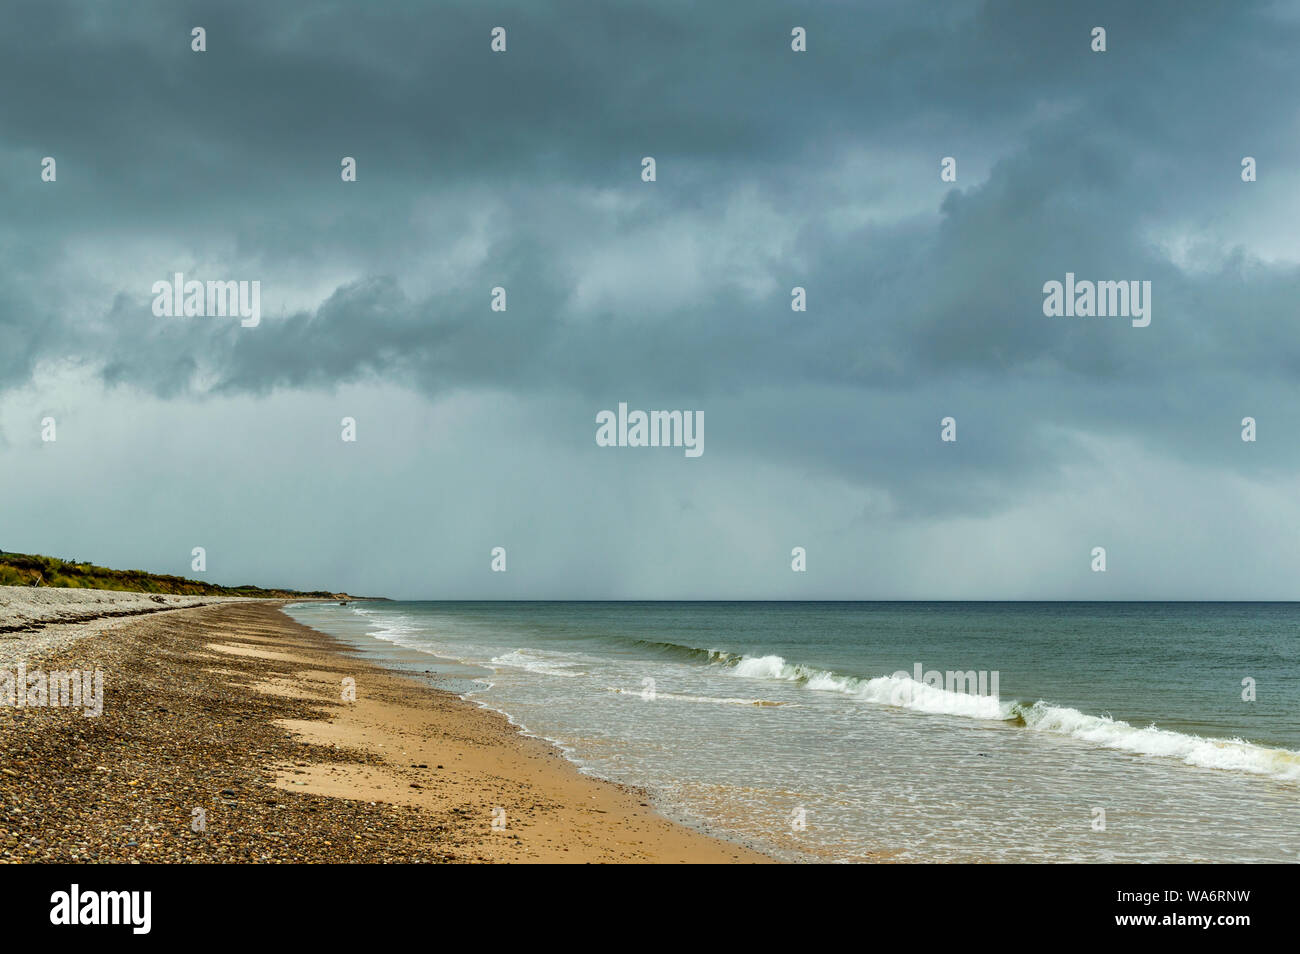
(462, 599)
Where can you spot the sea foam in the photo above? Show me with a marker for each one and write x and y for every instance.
(904, 692)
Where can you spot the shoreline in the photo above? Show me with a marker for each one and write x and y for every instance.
(231, 719)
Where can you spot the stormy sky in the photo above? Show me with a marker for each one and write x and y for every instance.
(775, 168)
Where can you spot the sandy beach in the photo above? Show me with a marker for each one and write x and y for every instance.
(229, 734)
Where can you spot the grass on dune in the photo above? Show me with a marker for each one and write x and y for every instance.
(26, 569)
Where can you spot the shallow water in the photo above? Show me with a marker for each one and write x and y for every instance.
(783, 724)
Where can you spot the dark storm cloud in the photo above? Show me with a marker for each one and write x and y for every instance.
(931, 311)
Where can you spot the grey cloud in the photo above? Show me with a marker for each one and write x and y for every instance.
(911, 317)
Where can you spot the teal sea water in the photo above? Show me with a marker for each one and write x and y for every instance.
(785, 725)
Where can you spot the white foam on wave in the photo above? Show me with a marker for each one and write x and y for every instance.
(409, 633)
(400, 632)
(899, 691)
(539, 661)
(715, 700)
(909, 694)
(1231, 754)
(905, 692)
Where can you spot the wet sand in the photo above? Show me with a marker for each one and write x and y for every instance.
(231, 733)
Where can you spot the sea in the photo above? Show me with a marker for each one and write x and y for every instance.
(1037, 732)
